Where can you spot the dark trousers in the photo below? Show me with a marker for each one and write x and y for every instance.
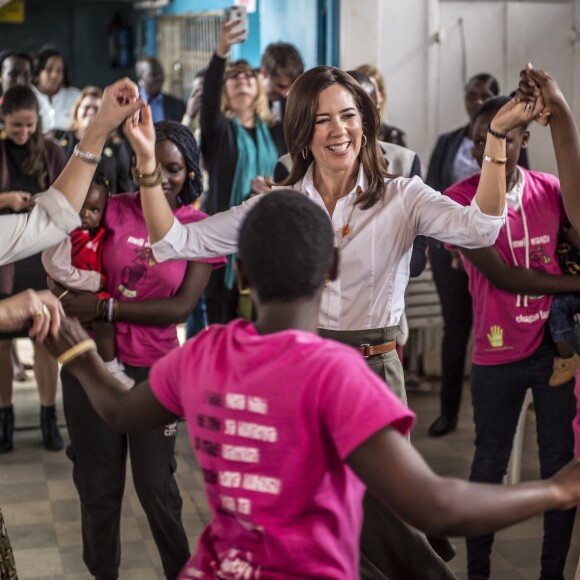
(498, 393)
(221, 301)
(453, 290)
(99, 454)
(390, 548)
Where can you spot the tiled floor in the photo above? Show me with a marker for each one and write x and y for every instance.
(40, 504)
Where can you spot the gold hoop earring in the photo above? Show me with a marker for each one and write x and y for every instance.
(305, 153)
(365, 140)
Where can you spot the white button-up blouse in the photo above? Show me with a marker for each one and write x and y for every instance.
(374, 254)
(26, 234)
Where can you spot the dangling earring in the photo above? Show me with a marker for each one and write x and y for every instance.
(305, 153)
(364, 137)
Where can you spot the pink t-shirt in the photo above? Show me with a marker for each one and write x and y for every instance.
(133, 274)
(272, 419)
(505, 328)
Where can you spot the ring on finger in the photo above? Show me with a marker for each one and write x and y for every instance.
(42, 312)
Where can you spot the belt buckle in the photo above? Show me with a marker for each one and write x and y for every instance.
(365, 351)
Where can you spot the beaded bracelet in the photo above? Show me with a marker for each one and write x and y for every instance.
(497, 134)
(85, 156)
(148, 179)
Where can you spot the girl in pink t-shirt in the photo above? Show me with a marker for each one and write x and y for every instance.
(148, 299)
(512, 285)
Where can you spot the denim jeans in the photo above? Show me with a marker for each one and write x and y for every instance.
(498, 393)
(561, 319)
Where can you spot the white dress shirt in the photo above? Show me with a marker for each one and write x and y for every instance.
(26, 234)
(55, 111)
(374, 254)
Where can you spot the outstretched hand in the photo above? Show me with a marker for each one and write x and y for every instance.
(120, 100)
(228, 37)
(539, 83)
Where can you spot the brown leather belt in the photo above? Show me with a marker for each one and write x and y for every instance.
(373, 349)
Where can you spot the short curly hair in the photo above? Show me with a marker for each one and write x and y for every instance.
(286, 247)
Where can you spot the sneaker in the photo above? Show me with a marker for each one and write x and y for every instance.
(564, 370)
(116, 368)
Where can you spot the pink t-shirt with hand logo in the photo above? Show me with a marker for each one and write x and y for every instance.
(508, 327)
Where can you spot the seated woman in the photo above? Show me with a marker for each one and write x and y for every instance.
(51, 85)
(115, 163)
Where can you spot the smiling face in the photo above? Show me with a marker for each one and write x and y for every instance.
(94, 206)
(276, 86)
(51, 76)
(338, 129)
(86, 111)
(517, 139)
(174, 170)
(21, 125)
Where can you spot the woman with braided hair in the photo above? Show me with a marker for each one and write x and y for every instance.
(147, 301)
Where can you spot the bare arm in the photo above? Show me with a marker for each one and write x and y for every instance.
(120, 100)
(154, 312)
(516, 279)
(490, 195)
(445, 506)
(564, 137)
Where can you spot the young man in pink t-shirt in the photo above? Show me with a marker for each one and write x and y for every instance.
(289, 427)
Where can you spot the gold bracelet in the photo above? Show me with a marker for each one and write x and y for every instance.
(147, 179)
(76, 351)
(496, 160)
(63, 294)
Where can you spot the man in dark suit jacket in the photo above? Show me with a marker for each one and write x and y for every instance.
(150, 77)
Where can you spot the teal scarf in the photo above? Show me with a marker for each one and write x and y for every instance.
(254, 158)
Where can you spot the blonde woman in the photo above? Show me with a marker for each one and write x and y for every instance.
(240, 147)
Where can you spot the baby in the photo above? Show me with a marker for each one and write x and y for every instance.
(564, 308)
(76, 264)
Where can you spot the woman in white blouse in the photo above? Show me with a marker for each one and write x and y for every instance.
(331, 129)
(56, 211)
(56, 97)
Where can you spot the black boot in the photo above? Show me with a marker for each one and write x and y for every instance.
(6, 428)
(51, 439)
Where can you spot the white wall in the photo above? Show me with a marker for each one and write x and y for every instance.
(417, 44)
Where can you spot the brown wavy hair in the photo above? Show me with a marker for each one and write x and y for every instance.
(22, 98)
(300, 118)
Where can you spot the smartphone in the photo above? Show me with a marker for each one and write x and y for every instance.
(239, 13)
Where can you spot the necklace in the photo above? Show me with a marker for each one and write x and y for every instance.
(346, 227)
